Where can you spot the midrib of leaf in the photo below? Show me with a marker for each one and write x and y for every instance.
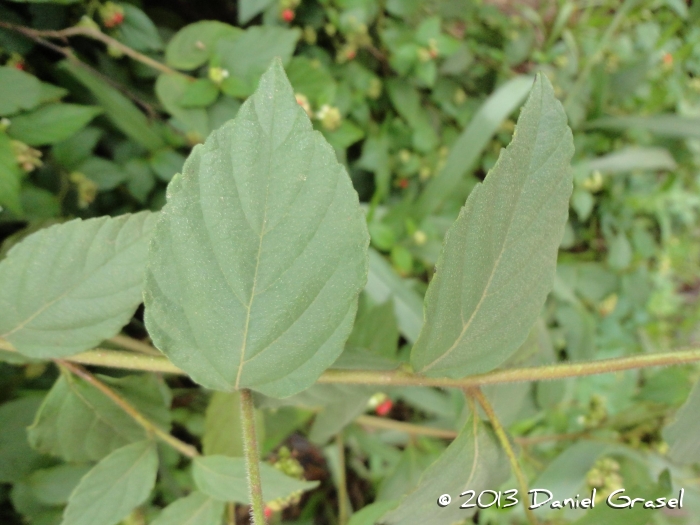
(484, 293)
(62, 296)
(475, 428)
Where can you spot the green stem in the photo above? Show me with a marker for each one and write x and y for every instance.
(250, 442)
(505, 443)
(147, 363)
(402, 426)
(151, 428)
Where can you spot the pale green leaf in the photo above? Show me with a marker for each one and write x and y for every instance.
(193, 44)
(249, 9)
(499, 257)
(51, 123)
(682, 434)
(260, 252)
(471, 143)
(66, 288)
(170, 89)
(226, 479)
(79, 423)
(138, 31)
(222, 425)
(195, 509)
(114, 487)
(474, 460)
(104, 173)
(18, 91)
(629, 159)
(118, 108)
(370, 514)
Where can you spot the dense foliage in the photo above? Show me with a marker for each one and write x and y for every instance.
(101, 103)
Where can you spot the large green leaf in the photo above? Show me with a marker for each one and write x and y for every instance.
(259, 254)
(682, 434)
(114, 487)
(195, 509)
(18, 91)
(79, 423)
(193, 44)
(226, 479)
(51, 123)
(53, 486)
(499, 258)
(118, 108)
(66, 288)
(473, 461)
(472, 142)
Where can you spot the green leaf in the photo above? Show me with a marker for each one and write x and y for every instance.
(104, 173)
(18, 91)
(370, 514)
(629, 159)
(114, 487)
(17, 459)
(51, 123)
(384, 283)
(259, 254)
(222, 425)
(226, 479)
(200, 93)
(66, 288)
(166, 163)
(406, 475)
(249, 9)
(499, 257)
(668, 125)
(78, 148)
(119, 109)
(79, 423)
(51, 93)
(467, 149)
(138, 31)
(195, 509)
(474, 460)
(408, 104)
(193, 44)
(10, 177)
(312, 79)
(170, 89)
(247, 56)
(682, 434)
(53, 486)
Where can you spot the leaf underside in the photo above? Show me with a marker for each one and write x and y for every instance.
(259, 254)
(499, 257)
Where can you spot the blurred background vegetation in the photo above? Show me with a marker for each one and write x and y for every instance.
(101, 102)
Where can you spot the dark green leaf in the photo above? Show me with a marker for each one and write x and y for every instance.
(17, 459)
(53, 486)
(138, 31)
(18, 91)
(260, 252)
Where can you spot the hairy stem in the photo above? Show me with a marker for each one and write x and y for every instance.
(132, 361)
(505, 443)
(250, 442)
(95, 34)
(151, 428)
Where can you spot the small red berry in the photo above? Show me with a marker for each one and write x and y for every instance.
(288, 15)
(668, 59)
(351, 54)
(268, 513)
(115, 20)
(384, 407)
(403, 183)
(19, 65)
